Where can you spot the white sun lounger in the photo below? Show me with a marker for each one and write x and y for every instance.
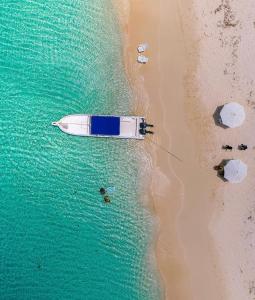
(142, 59)
(142, 47)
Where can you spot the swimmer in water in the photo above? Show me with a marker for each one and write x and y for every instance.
(107, 199)
(102, 191)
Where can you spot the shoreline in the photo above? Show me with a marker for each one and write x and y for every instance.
(200, 57)
(158, 86)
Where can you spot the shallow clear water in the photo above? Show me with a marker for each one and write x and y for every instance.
(58, 240)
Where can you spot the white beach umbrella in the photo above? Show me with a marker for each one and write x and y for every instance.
(232, 115)
(235, 171)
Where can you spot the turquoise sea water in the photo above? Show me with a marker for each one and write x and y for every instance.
(58, 240)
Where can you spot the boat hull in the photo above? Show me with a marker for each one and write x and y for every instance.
(80, 125)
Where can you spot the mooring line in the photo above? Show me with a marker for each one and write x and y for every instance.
(164, 149)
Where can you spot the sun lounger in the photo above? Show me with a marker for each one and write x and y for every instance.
(142, 47)
(142, 59)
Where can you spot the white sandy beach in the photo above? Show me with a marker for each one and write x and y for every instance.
(201, 56)
(226, 73)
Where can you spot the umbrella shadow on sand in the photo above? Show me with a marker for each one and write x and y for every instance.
(234, 170)
(217, 118)
(220, 169)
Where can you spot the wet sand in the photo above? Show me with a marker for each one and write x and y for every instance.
(195, 64)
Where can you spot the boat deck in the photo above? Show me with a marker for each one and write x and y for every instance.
(128, 126)
(75, 124)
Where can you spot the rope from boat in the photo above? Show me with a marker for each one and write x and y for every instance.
(164, 149)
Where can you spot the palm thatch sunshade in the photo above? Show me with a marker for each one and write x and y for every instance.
(235, 171)
(232, 115)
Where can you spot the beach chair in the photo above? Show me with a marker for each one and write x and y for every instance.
(142, 59)
(142, 47)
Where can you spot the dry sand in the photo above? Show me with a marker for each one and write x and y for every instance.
(226, 73)
(201, 56)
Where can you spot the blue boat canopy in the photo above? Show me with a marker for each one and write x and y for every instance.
(105, 125)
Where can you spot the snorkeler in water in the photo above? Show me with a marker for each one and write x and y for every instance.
(102, 191)
(107, 199)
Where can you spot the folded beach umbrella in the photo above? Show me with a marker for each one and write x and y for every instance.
(232, 115)
(235, 171)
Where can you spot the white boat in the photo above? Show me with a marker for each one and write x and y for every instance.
(125, 127)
